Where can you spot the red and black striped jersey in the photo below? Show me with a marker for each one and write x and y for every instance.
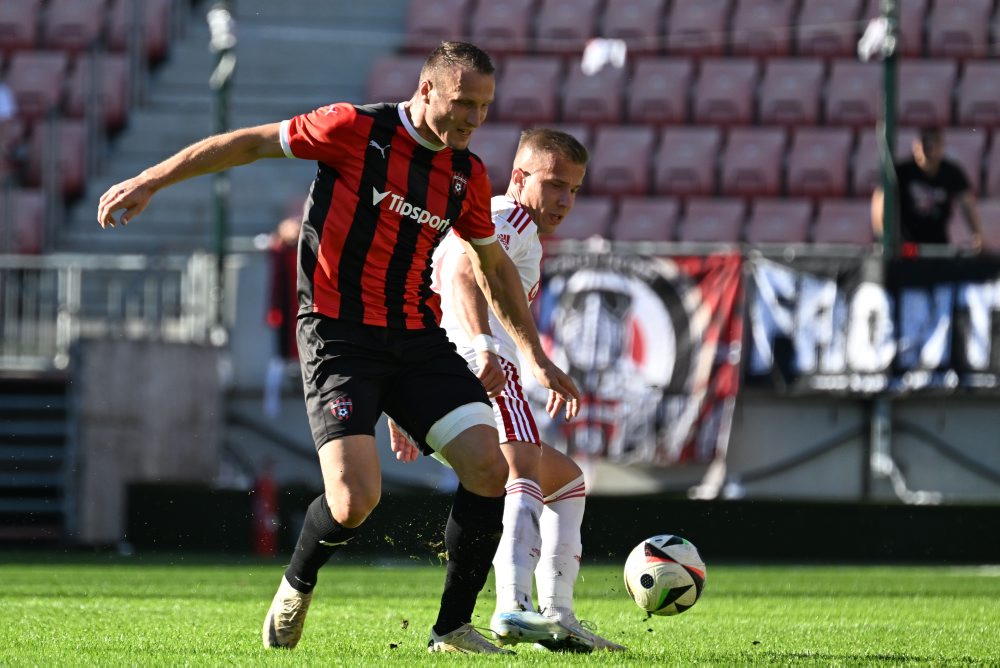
(382, 199)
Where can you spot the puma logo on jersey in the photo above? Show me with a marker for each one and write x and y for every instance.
(399, 205)
(381, 149)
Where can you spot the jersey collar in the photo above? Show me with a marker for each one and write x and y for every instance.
(405, 118)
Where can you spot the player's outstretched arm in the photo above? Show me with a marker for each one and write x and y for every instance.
(498, 278)
(472, 312)
(212, 154)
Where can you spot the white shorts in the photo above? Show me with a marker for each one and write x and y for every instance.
(512, 410)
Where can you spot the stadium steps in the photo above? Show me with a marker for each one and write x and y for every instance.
(35, 461)
(291, 57)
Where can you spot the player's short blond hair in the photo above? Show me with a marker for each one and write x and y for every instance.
(548, 140)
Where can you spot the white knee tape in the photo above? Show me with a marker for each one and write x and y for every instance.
(454, 423)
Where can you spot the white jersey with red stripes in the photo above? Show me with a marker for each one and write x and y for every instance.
(518, 235)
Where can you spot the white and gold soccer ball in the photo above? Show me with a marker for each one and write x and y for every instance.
(665, 575)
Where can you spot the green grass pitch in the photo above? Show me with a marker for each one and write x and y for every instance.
(107, 610)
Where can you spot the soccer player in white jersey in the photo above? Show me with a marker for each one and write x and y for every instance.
(543, 508)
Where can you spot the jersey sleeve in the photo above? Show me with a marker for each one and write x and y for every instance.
(959, 181)
(318, 135)
(475, 224)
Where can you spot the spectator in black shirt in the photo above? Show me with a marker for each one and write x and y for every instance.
(928, 185)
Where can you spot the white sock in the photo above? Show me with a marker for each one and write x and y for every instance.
(562, 548)
(517, 554)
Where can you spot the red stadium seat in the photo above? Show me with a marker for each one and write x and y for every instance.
(73, 25)
(959, 29)
(966, 147)
(684, 165)
(430, 22)
(851, 93)
(867, 172)
(393, 78)
(527, 88)
(590, 217)
(989, 214)
(595, 98)
(564, 26)
(657, 91)
(71, 156)
(112, 89)
(155, 21)
(992, 188)
(646, 219)
(979, 94)
(495, 144)
(911, 24)
(925, 88)
(26, 224)
(762, 28)
(19, 21)
(638, 22)
(698, 28)
(619, 161)
(828, 29)
(11, 138)
(751, 162)
(790, 91)
(843, 221)
(712, 220)
(817, 162)
(774, 221)
(724, 91)
(502, 26)
(36, 78)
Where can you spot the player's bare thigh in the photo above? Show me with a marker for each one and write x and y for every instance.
(476, 458)
(352, 478)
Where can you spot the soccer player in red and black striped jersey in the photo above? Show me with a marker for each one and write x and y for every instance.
(392, 180)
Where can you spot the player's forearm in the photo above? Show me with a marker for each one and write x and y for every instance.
(876, 212)
(471, 307)
(502, 286)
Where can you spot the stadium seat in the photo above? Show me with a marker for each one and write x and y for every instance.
(698, 28)
(828, 29)
(684, 164)
(646, 219)
(156, 21)
(762, 28)
(724, 91)
(36, 78)
(843, 221)
(527, 89)
(867, 170)
(992, 185)
(593, 99)
(966, 147)
(112, 89)
(73, 25)
(502, 26)
(619, 160)
(925, 88)
(978, 98)
(590, 217)
(658, 90)
(817, 162)
(71, 156)
(393, 78)
(778, 221)
(26, 224)
(638, 22)
(790, 91)
(19, 21)
(430, 22)
(495, 144)
(11, 138)
(712, 220)
(564, 26)
(959, 29)
(989, 214)
(852, 96)
(750, 165)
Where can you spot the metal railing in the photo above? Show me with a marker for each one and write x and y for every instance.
(48, 302)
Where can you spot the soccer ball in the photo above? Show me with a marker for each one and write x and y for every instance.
(664, 575)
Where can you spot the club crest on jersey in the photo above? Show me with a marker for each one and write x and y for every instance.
(458, 182)
(341, 408)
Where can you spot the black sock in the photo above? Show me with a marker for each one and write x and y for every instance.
(471, 538)
(310, 554)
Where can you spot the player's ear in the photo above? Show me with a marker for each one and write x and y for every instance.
(425, 90)
(517, 177)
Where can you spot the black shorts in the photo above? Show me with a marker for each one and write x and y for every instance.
(353, 372)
